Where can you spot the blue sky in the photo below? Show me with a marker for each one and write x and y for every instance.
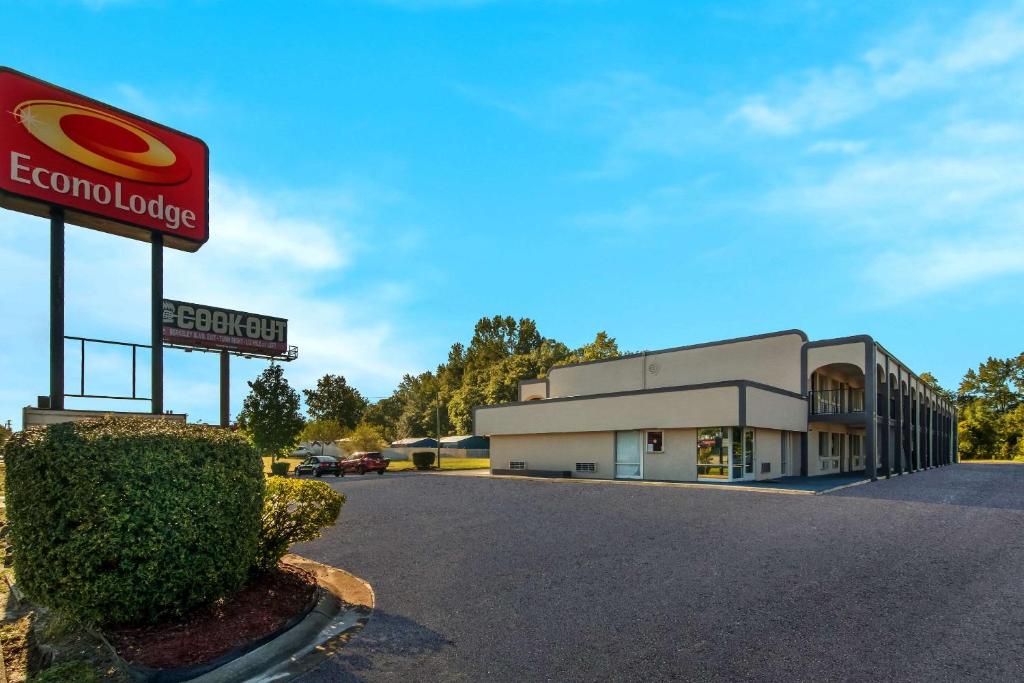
(385, 173)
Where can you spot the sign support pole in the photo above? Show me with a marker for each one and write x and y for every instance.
(56, 308)
(225, 389)
(157, 296)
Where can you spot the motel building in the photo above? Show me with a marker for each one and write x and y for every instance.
(753, 408)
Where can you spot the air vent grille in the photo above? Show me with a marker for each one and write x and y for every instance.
(586, 467)
(517, 464)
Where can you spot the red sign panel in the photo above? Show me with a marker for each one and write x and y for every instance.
(108, 169)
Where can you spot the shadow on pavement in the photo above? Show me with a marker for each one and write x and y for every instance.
(386, 638)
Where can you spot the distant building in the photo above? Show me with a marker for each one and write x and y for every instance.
(415, 442)
(466, 442)
(464, 446)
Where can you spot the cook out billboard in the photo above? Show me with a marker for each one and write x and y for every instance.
(210, 327)
(109, 170)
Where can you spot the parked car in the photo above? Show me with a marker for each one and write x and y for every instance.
(363, 462)
(319, 465)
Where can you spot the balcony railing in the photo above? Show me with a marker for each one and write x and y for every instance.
(837, 401)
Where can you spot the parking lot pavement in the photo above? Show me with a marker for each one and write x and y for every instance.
(478, 579)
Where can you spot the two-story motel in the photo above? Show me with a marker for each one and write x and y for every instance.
(760, 407)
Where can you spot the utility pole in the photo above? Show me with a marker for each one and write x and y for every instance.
(437, 415)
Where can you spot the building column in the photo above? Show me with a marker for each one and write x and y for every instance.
(870, 412)
(915, 426)
(885, 426)
(899, 450)
(956, 437)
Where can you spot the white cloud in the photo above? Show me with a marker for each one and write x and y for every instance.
(820, 100)
(171, 104)
(896, 68)
(904, 274)
(850, 147)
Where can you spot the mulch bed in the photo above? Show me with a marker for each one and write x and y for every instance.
(261, 608)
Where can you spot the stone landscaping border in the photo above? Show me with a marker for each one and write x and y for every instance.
(343, 606)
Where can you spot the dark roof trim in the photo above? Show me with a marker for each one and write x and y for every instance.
(836, 341)
(928, 388)
(755, 337)
(734, 383)
(839, 341)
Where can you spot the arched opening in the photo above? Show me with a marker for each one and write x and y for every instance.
(837, 388)
(837, 406)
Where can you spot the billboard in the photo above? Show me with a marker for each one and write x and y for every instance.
(209, 327)
(110, 170)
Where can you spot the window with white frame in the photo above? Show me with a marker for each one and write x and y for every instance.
(856, 451)
(825, 452)
(656, 441)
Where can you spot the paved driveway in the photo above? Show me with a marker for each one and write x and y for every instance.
(914, 579)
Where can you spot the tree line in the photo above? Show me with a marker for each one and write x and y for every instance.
(990, 402)
(502, 351)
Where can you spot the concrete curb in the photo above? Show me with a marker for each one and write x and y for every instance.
(844, 486)
(343, 609)
(667, 484)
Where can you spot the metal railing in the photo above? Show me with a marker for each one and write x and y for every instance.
(82, 341)
(836, 401)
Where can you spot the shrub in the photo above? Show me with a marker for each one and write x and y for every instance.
(129, 520)
(279, 469)
(423, 460)
(294, 510)
(78, 671)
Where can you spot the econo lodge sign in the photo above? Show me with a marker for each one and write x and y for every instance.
(108, 169)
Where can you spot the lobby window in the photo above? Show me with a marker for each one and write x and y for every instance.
(713, 452)
(656, 442)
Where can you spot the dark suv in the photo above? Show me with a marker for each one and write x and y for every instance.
(319, 465)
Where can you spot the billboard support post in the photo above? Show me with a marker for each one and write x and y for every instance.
(225, 389)
(56, 308)
(156, 312)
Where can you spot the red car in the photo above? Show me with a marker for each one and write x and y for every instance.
(361, 463)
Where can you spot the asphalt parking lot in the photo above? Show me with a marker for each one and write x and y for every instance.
(914, 579)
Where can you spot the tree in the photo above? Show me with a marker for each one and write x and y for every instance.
(502, 351)
(333, 399)
(932, 381)
(998, 382)
(322, 431)
(991, 416)
(977, 432)
(366, 437)
(5, 434)
(601, 348)
(385, 414)
(270, 413)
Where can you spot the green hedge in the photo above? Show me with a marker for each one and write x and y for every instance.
(295, 510)
(423, 460)
(279, 469)
(129, 520)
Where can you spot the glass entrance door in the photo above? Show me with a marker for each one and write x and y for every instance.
(748, 454)
(726, 453)
(628, 462)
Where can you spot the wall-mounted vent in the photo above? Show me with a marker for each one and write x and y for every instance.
(586, 467)
(517, 464)
(766, 467)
